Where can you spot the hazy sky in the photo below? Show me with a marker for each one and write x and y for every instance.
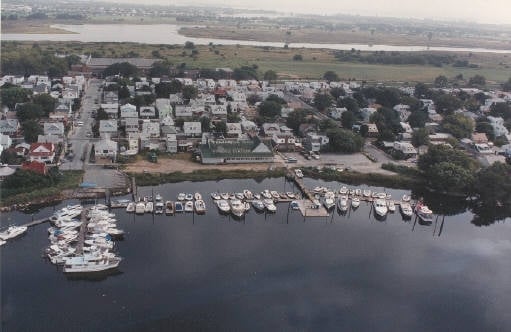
(484, 11)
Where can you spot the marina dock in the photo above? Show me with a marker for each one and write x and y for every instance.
(82, 231)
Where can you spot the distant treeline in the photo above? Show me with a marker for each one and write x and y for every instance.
(398, 58)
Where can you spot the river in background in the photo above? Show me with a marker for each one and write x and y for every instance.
(268, 272)
(168, 34)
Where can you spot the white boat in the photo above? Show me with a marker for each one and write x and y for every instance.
(299, 173)
(358, 192)
(140, 208)
(406, 209)
(197, 196)
(291, 195)
(224, 196)
(158, 198)
(424, 212)
(188, 197)
(149, 207)
(189, 206)
(81, 265)
(405, 198)
(266, 194)
(258, 205)
(2, 242)
(223, 206)
(391, 205)
(247, 206)
(295, 205)
(181, 196)
(68, 224)
(366, 193)
(380, 207)
(65, 214)
(351, 191)
(169, 208)
(237, 208)
(56, 254)
(381, 195)
(159, 207)
(329, 201)
(200, 206)
(320, 190)
(343, 203)
(12, 232)
(355, 202)
(131, 207)
(179, 207)
(257, 196)
(343, 190)
(248, 194)
(269, 205)
(239, 196)
(215, 196)
(275, 194)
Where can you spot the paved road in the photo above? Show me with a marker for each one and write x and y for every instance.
(78, 135)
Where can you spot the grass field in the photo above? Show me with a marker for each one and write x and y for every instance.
(495, 67)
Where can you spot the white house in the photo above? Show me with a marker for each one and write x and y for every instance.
(192, 129)
(42, 152)
(147, 112)
(498, 126)
(234, 129)
(131, 125)
(54, 128)
(403, 111)
(112, 109)
(105, 148)
(5, 141)
(9, 127)
(406, 148)
(314, 142)
(271, 129)
(367, 112)
(129, 111)
(108, 127)
(219, 110)
(163, 107)
(184, 111)
(171, 143)
(151, 129)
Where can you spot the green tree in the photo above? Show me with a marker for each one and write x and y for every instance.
(270, 76)
(46, 102)
(322, 101)
(221, 127)
(101, 115)
(507, 85)
(269, 109)
(124, 92)
(422, 91)
(350, 103)
(501, 109)
(189, 45)
(160, 68)
(190, 92)
(276, 99)
(29, 111)
(125, 69)
(449, 177)
(441, 81)
(10, 157)
(418, 119)
(477, 81)
(31, 130)
(327, 124)
(444, 153)
(205, 124)
(420, 137)
(337, 92)
(297, 57)
(12, 95)
(458, 125)
(484, 126)
(446, 104)
(330, 76)
(295, 119)
(388, 97)
(493, 185)
(348, 119)
(344, 141)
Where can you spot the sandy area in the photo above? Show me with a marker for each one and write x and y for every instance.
(185, 166)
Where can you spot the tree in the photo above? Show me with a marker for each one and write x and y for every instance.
(270, 109)
(29, 111)
(297, 57)
(295, 119)
(205, 124)
(245, 73)
(322, 101)
(337, 92)
(418, 119)
(125, 69)
(458, 125)
(501, 109)
(484, 126)
(447, 104)
(277, 99)
(441, 81)
(388, 97)
(449, 177)
(253, 98)
(344, 141)
(124, 92)
(444, 153)
(10, 157)
(190, 92)
(46, 102)
(477, 81)
(221, 127)
(12, 95)
(388, 122)
(493, 185)
(101, 115)
(327, 124)
(422, 91)
(507, 85)
(331, 76)
(270, 76)
(350, 103)
(160, 68)
(420, 137)
(31, 130)
(189, 45)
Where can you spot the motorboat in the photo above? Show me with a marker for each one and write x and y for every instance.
(223, 206)
(283, 196)
(351, 191)
(258, 205)
(189, 206)
(355, 202)
(200, 206)
(257, 196)
(291, 195)
(215, 196)
(66, 214)
(188, 197)
(266, 194)
(275, 194)
(237, 208)
(224, 196)
(149, 207)
(269, 205)
(366, 193)
(391, 205)
(159, 207)
(424, 212)
(179, 207)
(358, 192)
(343, 203)
(248, 194)
(405, 198)
(381, 196)
(406, 209)
(239, 196)
(12, 232)
(130, 208)
(68, 224)
(181, 196)
(247, 206)
(295, 205)
(56, 254)
(2, 242)
(140, 208)
(80, 265)
(343, 190)
(197, 196)
(169, 208)
(320, 190)
(158, 198)
(329, 201)
(380, 207)
(299, 173)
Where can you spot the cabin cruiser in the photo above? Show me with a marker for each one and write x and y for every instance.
(80, 265)
(68, 224)
(181, 196)
(239, 196)
(197, 196)
(237, 208)
(266, 194)
(355, 202)
(424, 212)
(224, 196)
(405, 198)
(291, 195)
(380, 207)
(12, 232)
(66, 214)
(223, 206)
(329, 201)
(200, 206)
(188, 197)
(351, 191)
(130, 208)
(343, 190)
(275, 194)
(169, 208)
(159, 207)
(258, 205)
(257, 196)
(247, 206)
(269, 205)
(149, 207)
(391, 205)
(56, 254)
(366, 193)
(158, 198)
(406, 209)
(189, 206)
(343, 203)
(358, 192)
(294, 205)
(140, 208)
(179, 207)
(215, 196)
(248, 194)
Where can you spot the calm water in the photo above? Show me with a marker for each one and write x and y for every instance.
(275, 272)
(168, 34)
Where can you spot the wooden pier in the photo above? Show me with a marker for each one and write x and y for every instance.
(82, 232)
(36, 222)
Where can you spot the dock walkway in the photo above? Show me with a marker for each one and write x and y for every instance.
(82, 232)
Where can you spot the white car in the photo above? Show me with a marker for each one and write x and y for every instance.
(299, 173)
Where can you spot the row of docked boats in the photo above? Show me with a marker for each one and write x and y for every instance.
(184, 203)
(83, 245)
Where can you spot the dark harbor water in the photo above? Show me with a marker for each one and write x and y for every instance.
(268, 272)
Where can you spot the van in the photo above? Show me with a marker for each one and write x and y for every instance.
(79, 123)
